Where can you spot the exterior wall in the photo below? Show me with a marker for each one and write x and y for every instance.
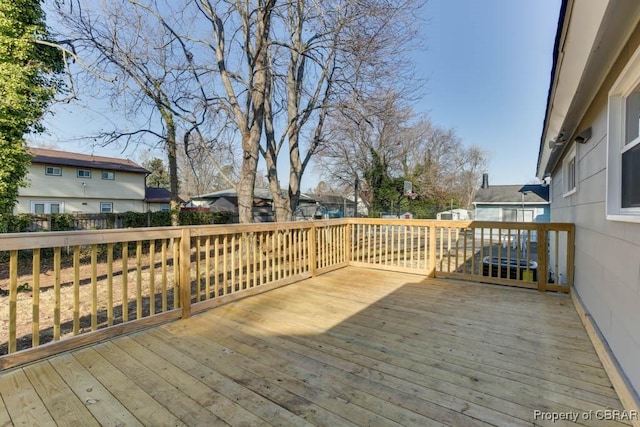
(488, 213)
(157, 207)
(81, 205)
(607, 253)
(126, 191)
(541, 213)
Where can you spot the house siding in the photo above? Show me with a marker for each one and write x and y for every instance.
(494, 212)
(607, 275)
(126, 191)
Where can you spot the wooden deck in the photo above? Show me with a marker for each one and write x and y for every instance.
(351, 347)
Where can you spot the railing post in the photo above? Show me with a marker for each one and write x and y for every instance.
(185, 273)
(543, 272)
(348, 241)
(312, 249)
(432, 249)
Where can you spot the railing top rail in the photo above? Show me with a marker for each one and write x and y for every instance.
(465, 223)
(50, 239)
(22, 241)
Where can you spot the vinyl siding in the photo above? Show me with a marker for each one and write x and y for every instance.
(126, 191)
(607, 255)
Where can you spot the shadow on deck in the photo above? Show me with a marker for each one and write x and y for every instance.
(351, 347)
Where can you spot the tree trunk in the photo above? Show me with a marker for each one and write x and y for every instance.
(253, 131)
(173, 170)
(250, 145)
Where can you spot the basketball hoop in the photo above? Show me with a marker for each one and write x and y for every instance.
(411, 195)
(408, 190)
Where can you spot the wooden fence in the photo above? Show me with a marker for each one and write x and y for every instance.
(61, 290)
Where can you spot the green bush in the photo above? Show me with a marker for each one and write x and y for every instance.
(62, 222)
(204, 218)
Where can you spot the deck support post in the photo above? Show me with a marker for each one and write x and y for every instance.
(432, 249)
(543, 270)
(313, 250)
(185, 273)
(348, 242)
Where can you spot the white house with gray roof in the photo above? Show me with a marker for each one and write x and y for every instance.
(513, 203)
(64, 182)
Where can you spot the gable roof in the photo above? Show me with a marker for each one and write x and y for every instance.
(65, 158)
(533, 194)
(258, 193)
(158, 195)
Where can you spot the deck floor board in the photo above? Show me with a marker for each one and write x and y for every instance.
(350, 347)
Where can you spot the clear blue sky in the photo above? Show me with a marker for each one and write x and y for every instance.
(487, 66)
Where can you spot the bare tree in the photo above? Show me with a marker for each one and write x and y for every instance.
(254, 65)
(387, 142)
(326, 54)
(206, 166)
(375, 131)
(443, 169)
(120, 44)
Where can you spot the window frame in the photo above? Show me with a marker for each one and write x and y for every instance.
(627, 83)
(568, 163)
(53, 168)
(46, 206)
(110, 204)
(107, 174)
(78, 171)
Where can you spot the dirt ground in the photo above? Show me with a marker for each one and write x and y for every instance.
(105, 297)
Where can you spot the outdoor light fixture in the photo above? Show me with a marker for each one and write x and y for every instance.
(558, 141)
(583, 136)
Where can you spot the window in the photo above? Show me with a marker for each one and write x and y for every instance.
(45, 207)
(623, 145)
(509, 215)
(106, 207)
(165, 208)
(53, 170)
(84, 173)
(108, 175)
(569, 172)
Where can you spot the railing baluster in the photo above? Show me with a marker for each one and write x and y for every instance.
(76, 290)
(152, 277)
(56, 293)
(35, 336)
(139, 279)
(176, 274)
(110, 284)
(198, 269)
(94, 287)
(207, 267)
(13, 300)
(216, 263)
(225, 245)
(163, 273)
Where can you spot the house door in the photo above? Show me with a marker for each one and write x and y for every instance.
(44, 207)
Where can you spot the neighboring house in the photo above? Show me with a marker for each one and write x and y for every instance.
(227, 201)
(516, 203)
(63, 182)
(330, 205)
(590, 149)
(158, 199)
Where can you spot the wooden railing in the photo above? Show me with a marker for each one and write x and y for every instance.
(62, 290)
(529, 255)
